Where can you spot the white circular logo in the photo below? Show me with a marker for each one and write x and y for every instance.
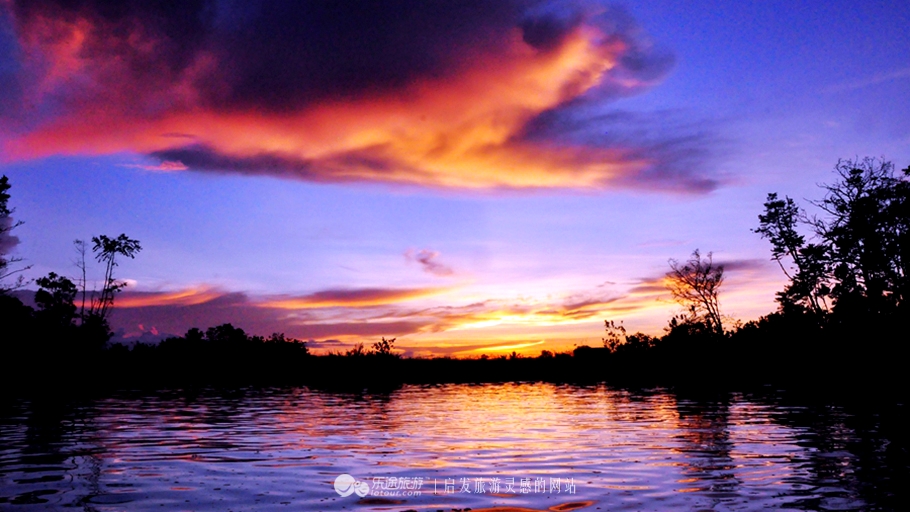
(345, 485)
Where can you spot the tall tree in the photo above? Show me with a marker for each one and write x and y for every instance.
(865, 230)
(861, 251)
(808, 280)
(106, 250)
(695, 285)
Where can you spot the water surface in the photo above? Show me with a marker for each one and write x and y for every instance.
(447, 447)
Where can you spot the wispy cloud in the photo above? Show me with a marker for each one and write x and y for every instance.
(743, 265)
(165, 166)
(876, 79)
(362, 297)
(7, 240)
(429, 261)
(185, 297)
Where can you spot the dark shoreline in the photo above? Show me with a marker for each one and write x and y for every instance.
(846, 377)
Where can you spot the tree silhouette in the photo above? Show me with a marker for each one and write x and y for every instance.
(808, 281)
(356, 351)
(614, 336)
(866, 232)
(80, 247)
(861, 254)
(384, 347)
(7, 241)
(694, 285)
(54, 299)
(106, 251)
(226, 335)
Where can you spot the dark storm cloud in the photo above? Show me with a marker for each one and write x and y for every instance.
(277, 55)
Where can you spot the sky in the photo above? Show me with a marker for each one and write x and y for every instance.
(466, 177)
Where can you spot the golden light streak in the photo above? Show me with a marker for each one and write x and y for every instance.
(188, 297)
(510, 348)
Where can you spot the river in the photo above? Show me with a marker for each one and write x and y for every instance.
(428, 448)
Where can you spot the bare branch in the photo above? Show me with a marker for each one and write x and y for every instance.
(695, 285)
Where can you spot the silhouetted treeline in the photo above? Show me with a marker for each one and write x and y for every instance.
(842, 317)
(847, 259)
(688, 356)
(840, 324)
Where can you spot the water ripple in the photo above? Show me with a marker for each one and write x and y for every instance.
(519, 445)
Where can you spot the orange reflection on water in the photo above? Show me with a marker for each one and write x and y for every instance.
(642, 449)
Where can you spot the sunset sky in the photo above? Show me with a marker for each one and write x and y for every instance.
(464, 176)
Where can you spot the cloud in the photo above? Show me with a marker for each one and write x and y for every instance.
(361, 297)
(139, 334)
(253, 319)
(433, 93)
(743, 265)
(305, 317)
(7, 241)
(650, 286)
(328, 345)
(876, 79)
(429, 320)
(675, 148)
(429, 261)
(164, 166)
(656, 286)
(187, 297)
(349, 316)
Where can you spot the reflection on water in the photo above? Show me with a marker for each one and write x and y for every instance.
(458, 446)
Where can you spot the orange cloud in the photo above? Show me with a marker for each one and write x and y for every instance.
(442, 320)
(459, 132)
(357, 298)
(188, 297)
(362, 314)
(463, 126)
(166, 166)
